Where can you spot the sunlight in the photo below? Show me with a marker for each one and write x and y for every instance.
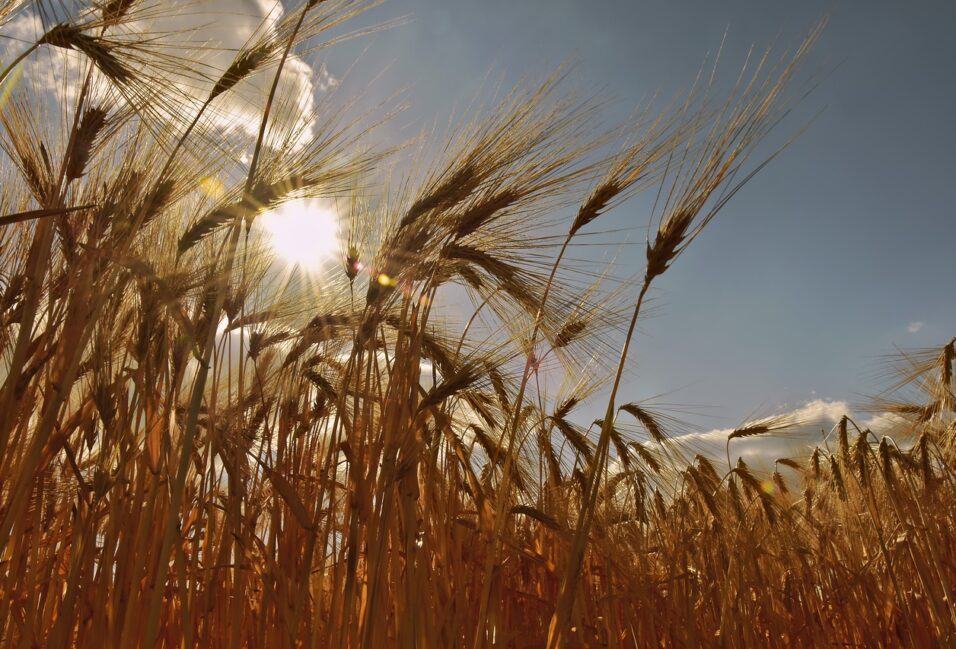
(303, 232)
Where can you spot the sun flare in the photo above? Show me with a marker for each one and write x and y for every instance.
(303, 232)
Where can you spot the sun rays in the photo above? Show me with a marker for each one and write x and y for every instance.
(303, 233)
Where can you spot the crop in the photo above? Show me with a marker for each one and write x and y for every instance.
(199, 448)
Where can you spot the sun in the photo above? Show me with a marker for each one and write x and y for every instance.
(303, 232)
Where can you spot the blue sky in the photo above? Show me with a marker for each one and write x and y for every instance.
(821, 264)
(835, 255)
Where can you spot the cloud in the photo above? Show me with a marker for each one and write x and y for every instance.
(47, 66)
(814, 422)
(207, 34)
(884, 422)
(212, 31)
(811, 423)
(25, 27)
(915, 326)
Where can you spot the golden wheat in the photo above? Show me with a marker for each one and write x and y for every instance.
(199, 449)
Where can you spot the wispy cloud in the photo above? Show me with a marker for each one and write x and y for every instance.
(228, 26)
(915, 326)
(225, 27)
(814, 419)
(886, 423)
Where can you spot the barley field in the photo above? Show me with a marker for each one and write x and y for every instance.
(382, 446)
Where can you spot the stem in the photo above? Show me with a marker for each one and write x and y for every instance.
(199, 387)
(36, 270)
(512, 430)
(559, 621)
(7, 70)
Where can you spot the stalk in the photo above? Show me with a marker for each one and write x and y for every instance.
(13, 64)
(500, 516)
(36, 270)
(557, 630)
(199, 387)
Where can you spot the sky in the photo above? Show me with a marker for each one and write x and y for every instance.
(835, 255)
(839, 252)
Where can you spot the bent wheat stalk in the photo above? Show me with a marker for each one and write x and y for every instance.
(686, 213)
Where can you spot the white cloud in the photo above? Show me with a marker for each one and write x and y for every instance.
(208, 33)
(812, 421)
(887, 423)
(211, 32)
(915, 326)
(47, 68)
(25, 27)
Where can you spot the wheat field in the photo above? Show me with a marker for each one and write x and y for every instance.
(200, 447)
